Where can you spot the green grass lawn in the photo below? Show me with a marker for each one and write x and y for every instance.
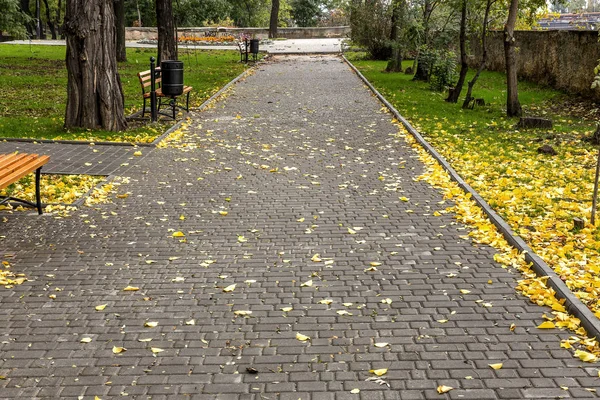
(34, 82)
(537, 194)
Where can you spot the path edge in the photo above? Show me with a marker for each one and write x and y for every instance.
(573, 305)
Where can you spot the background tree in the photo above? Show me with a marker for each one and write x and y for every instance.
(119, 6)
(12, 19)
(513, 106)
(167, 45)
(454, 93)
(484, 54)
(274, 18)
(398, 11)
(94, 93)
(307, 12)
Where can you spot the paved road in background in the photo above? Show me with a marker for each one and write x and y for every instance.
(284, 199)
(319, 45)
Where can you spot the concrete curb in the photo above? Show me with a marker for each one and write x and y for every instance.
(573, 305)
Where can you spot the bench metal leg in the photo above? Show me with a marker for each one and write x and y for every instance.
(38, 200)
(144, 108)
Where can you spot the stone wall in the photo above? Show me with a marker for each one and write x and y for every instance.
(564, 60)
(259, 33)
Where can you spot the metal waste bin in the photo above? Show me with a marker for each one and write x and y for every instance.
(172, 77)
(254, 46)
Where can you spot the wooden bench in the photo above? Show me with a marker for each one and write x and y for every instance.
(244, 47)
(15, 166)
(145, 81)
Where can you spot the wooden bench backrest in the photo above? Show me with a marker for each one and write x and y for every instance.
(15, 166)
(145, 81)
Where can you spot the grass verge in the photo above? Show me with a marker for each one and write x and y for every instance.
(34, 82)
(538, 195)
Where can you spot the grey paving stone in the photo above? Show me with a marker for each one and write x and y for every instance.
(294, 155)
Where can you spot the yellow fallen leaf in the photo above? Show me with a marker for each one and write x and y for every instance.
(546, 325)
(242, 239)
(512, 327)
(370, 269)
(145, 340)
(355, 391)
(307, 283)
(403, 198)
(137, 153)
(343, 312)
(465, 291)
(316, 258)
(190, 322)
(131, 289)
(287, 309)
(118, 350)
(156, 350)
(444, 389)
(437, 214)
(223, 213)
(375, 264)
(86, 340)
(242, 312)
(351, 231)
(100, 307)
(585, 356)
(564, 387)
(379, 372)
(300, 220)
(229, 288)
(151, 324)
(381, 344)
(301, 337)
(387, 301)
(178, 234)
(442, 321)
(495, 366)
(325, 301)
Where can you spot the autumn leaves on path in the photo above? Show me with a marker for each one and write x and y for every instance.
(285, 243)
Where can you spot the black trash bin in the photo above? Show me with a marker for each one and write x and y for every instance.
(254, 46)
(172, 77)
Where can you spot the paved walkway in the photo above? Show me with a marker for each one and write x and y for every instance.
(295, 46)
(278, 191)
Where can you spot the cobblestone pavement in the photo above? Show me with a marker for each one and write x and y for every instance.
(75, 158)
(277, 190)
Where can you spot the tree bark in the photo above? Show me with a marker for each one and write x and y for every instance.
(94, 93)
(167, 48)
(57, 21)
(513, 107)
(49, 20)
(29, 25)
(464, 67)
(120, 29)
(395, 63)
(274, 19)
(469, 96)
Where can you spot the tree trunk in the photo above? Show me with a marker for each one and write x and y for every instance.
(38, 20)
(167, 49)
(30, 24)
(49, 20)
(469, 96)
(120, 29)
(464, 67)
(395, 63)
(513, 107)
(94, 93)
(274, 19)
(57, 21)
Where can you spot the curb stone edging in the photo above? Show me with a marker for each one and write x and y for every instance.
(573, 305)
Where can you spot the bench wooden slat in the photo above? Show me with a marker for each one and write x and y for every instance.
(22, 167)
(12, 164)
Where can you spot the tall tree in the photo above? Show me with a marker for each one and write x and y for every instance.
(119, 6)
(274, 19)
(13, 19)
(454, 94)
(94, 92)
(49, 20)
(395, 63)
(513, 106)
(167, 46)
(484, 54)
(427, 9)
